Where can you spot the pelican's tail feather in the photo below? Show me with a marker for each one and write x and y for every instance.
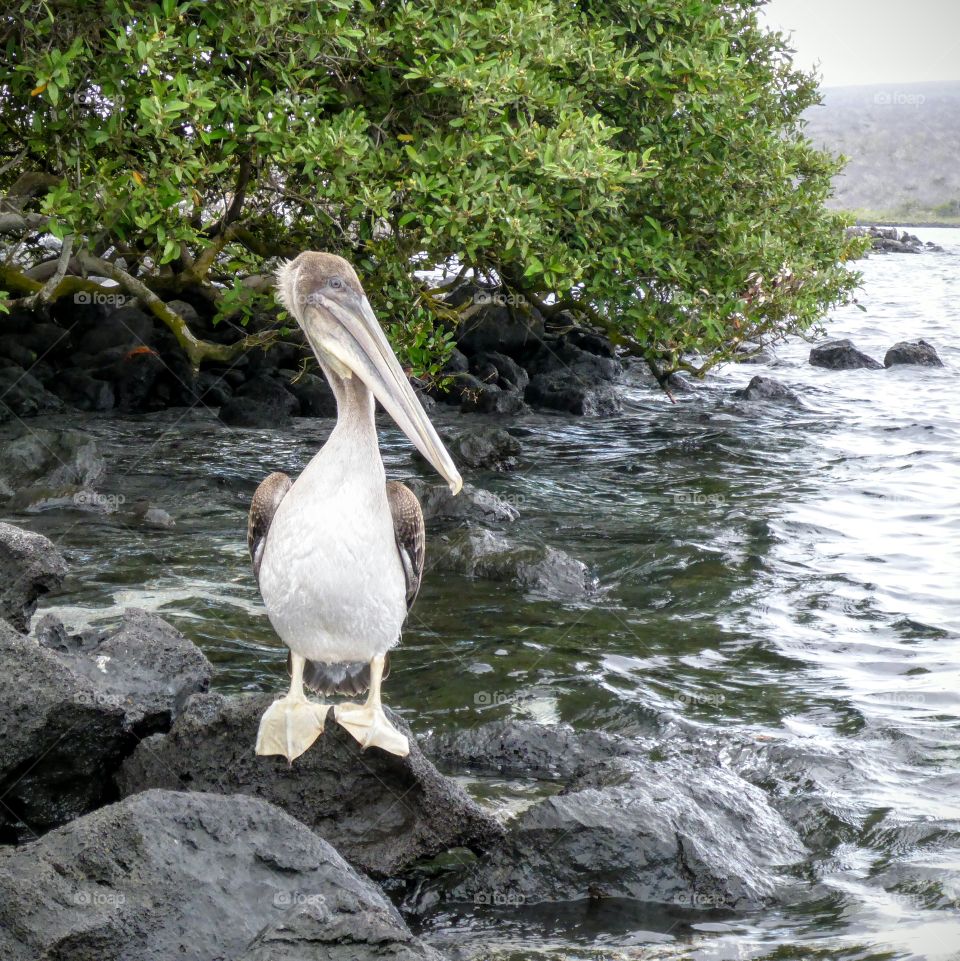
(350, 678)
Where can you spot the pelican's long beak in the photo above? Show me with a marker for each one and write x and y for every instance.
(354, 339)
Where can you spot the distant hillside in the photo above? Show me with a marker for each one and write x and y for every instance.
(903, 141)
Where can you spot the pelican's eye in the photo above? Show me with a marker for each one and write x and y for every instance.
(335, 282)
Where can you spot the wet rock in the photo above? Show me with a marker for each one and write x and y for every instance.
(538, 568)
(912, 352)
(213, 388)
(22, 395)
(487, 448)
(126, 328)
(490, 399)
(591, 342)
(518, 749)
(272, 393)
(889, 240)
(495, 325)
(382, 812)
(245, 412)
(75, 706)
(670, 831)
(766, 388)
(137, 379)
(195, 876)
(155, 517)
(569, 392)
(314, 395)
(79, 389)
(13, 350)
(30, 566)
(472, 504)
(49, 460)
(456, 363)
(841, 355)
(499, 369)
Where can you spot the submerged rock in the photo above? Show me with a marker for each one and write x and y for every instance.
(75, 706)
(842, 355)
(49, 462)
(200, 877)
(538, 568)
(30, 566)
(486, 448)
(439, 506)
(912, 352)
(382, 812)
(672, 831)
(766, 388)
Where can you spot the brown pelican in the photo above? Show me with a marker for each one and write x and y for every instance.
(338, 554)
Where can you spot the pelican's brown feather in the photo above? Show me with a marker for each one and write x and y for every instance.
(264, 505)
(408, 529)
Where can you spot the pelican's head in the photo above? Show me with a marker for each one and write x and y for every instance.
(324, 295)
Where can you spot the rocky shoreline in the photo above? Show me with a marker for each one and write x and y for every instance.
(139, 823)
(98, 356)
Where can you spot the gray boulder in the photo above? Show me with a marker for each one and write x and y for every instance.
(381, 812)
(79, 389)
(196, 877)
(75, 706)
(30, 566)
(491, 399)
(314, 395)
(492, 367)
(525, 749)
(49, 462)
(917, 352)
(494, 324)
(540, 568)
(486, 448)
(842, 355)
(22, 395)
(768, 389)
(672, 831)
(472, 504)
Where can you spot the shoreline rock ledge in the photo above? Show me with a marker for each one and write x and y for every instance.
(196, 877)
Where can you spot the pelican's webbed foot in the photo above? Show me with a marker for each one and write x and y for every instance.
(292, 723)
(368, 723)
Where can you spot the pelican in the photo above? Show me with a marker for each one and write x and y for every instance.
(338, 553)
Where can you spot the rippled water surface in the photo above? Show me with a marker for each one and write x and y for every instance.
(778, 581)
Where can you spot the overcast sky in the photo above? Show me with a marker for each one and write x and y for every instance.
(873, 41)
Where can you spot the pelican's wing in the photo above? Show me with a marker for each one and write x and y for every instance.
(265, 502)
(410, 535)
